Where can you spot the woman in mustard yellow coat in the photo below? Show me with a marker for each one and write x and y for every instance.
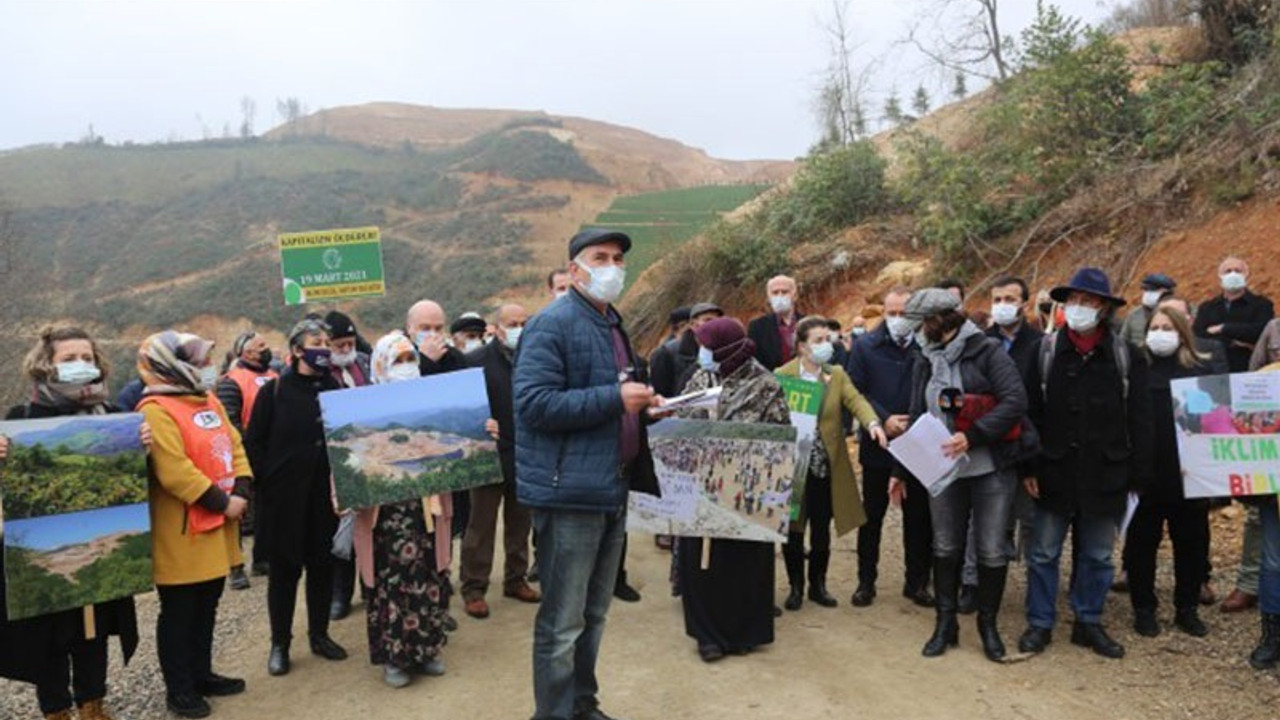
(199, 485)
(831, 488)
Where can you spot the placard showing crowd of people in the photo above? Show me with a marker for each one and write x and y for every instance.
(1063, 414)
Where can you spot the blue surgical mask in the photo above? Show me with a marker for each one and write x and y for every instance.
(513, 337)
(422, 336)
(822, 353)
(1081, 318)
(707, 360)
(403, 371)
(77, 372)
(606, 283)
(208, 377)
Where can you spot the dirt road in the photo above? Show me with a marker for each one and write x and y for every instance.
(836, 663)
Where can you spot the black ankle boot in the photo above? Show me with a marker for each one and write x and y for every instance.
(278, 660)
(795, 598)
(793, 556)
(818, 561)
(991, 583)
(1267, 654)
(946, 631)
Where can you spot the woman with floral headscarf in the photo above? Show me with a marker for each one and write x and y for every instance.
(286, 446)
(68, 375)
(401, 559)
(728, 606)
(198, 492)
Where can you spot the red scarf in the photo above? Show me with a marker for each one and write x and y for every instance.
(1086, 344)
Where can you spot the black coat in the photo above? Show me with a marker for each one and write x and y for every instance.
(1097, 445)
(453, 359)
(495, 359)
(1242, 321)
(286, 448)
(985, 369)
(672, 364)
(26, 645)
(881, 370)
(1025, 351)
(763, 331)
(1166, 485)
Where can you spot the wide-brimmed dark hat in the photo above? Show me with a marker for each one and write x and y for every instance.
(597, 236)
(1089, 280)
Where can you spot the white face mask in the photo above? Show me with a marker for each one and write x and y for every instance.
(208, 377)
(606, 283)
(707, 360)
(858, 331)
(561, 293)
(513, 337)
(821, 353)
(77, 372)
(1163, 342)
(1234, 281)
(472, 345)
(403, 371)
(422, 336)
(781, 304)
(1005, 313)
(900, 327)
(343, 359)
(1151, 298)
(1081, 318)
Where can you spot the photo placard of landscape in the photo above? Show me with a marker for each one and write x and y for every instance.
(719, 480)
(407, 440)
(76, 528)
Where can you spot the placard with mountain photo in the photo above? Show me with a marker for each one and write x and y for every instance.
(76, 527)
(411, 439)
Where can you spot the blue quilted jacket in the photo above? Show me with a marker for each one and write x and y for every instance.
(568, 412)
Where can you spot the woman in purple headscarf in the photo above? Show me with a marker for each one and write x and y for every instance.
(728, 606)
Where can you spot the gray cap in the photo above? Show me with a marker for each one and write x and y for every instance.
(704, 308)
(930, 301)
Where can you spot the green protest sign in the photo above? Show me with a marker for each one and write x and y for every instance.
(804, 400)
(331, 264)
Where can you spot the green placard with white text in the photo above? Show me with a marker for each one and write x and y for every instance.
(804, 400)
(331, 265)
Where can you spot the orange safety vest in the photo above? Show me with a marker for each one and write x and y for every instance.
(249, 382)
(209, 445)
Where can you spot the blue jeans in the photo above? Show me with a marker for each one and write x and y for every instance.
(578, 557)
(1092, 577)
(1269, 578)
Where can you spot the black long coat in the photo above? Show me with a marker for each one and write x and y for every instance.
(25, 644)
(495, 359)
(1096, 444)
(764, 332)
(286, 448)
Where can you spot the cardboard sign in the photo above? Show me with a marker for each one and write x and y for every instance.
(1228, 431)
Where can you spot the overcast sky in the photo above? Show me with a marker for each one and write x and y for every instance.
(734, 77)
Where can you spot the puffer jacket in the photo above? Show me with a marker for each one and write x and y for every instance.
(568, 412)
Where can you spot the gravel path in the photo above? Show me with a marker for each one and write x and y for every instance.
(825, 664)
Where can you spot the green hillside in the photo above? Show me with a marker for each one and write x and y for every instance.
(660, 222)
(157, 234)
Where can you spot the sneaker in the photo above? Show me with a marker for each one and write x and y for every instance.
(432, 668)
(395, 677)
(187, 706)
(238, 580)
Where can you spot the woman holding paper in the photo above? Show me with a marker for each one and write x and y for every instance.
(831, 488)
(399, 558)
(68, 375)
(967, 381)
(285, 443)
(1170, 352)
(728, 605)
(199, 490)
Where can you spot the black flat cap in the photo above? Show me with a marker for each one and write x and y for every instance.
(597, 236)
(340, 325)
(1159, 281)
(704, 308)
(468, 322)
(679, 315)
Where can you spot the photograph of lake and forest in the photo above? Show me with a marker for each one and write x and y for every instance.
(76, 527)
(406, 440)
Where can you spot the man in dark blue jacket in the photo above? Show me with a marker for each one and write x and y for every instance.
(880, 367)
(580, 394)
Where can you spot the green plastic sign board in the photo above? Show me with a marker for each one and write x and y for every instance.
(331, 265)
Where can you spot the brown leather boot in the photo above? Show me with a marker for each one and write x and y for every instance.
(1239, 601)
(92, 710)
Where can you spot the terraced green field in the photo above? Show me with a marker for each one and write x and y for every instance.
(660, 222)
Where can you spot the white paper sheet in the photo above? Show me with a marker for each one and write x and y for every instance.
(1131, 506)
(920, 450)
(697, 399)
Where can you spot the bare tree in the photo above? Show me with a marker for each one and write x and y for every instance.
(1150, 13)
(291, 110)
(248, 109)
(963, 36)
(840, 104)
